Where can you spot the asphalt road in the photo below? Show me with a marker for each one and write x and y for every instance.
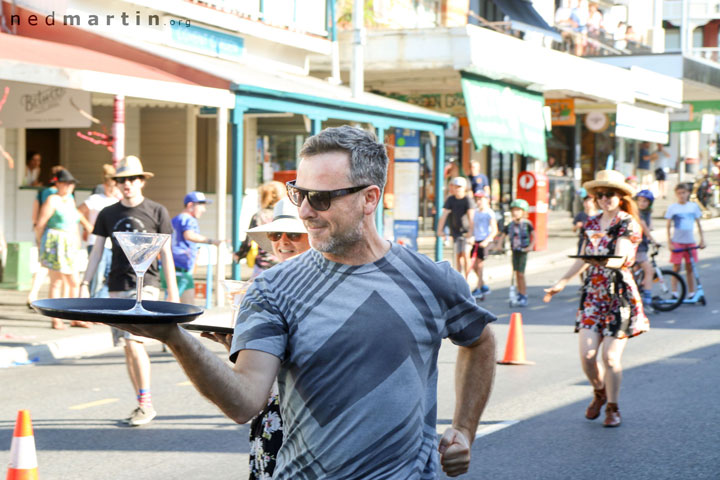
(533, 426)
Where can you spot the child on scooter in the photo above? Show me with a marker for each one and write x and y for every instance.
(522, 240)
(484, 230)
(682, 217)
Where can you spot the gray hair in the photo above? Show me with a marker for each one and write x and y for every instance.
(368, 158)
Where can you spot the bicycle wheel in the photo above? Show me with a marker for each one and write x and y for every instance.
(662, 297)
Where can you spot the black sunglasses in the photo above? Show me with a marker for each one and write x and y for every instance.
(318, 199)
(276, 236)
(608, 194)
(130, 179)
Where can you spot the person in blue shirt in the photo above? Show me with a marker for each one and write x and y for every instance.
(478, 181)
(484, 230)
(185, 239)
(681, 220)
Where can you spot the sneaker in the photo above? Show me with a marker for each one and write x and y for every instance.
(476, 292)
(141, 416)
(485, 289)
(522, 301)
(690, 295)
(675, 295)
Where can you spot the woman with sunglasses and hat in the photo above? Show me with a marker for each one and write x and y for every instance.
(286, 237)
(611, 310)
(57, 234)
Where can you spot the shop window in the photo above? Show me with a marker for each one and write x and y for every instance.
(46, 142)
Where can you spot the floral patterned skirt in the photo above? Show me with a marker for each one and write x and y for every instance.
(611, 304)
(266, 436)
(60, 251)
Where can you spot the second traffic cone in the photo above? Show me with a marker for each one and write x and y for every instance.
(23, 461)
(515, 347)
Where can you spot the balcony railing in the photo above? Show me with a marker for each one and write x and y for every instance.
(706, 53)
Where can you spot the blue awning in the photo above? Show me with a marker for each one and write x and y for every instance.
(525, 18)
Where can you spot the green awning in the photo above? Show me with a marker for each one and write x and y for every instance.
(507, 118)
(699, 108)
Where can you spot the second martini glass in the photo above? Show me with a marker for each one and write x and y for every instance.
(140, 250)
(236, 291)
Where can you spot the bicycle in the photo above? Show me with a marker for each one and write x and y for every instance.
(662, 295)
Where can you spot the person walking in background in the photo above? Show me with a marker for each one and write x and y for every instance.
(185, 239)
(134, 213)
(90, 208)
(681, 220)
(589, 210)
(270, 193)
(33, 165)
(478, 181)
(57, 233)
(646, 161)
(458, 213)
(484, 230)
(42, 195)
(611, 310)
(521, 235)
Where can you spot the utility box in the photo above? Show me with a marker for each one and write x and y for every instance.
(533, 187)
(17, 275)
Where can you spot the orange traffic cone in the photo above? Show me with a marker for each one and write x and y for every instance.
(23, 461)
(515, 347)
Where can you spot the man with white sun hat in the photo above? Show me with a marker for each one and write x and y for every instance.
(285, 236)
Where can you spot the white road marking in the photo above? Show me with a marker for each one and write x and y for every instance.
(537, 307)
(96, 403)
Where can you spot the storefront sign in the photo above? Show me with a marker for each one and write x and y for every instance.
(597, 121)
(407, 145)
(641, 124)
(684, 114)
(563, 111)
(40, 106)
(206, 41)
(406, 191)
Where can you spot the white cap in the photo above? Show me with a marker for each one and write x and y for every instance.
(459, 181)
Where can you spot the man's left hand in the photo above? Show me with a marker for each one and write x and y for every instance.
(454, 451)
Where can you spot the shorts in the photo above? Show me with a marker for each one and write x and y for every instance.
(459, 244)
(478, 251)
(121, 336)
(660, 175)
(641, 256)
(184, 279)
(519, 261)
(60, 251)
(676, 258)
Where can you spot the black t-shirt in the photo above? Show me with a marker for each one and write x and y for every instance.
(149, 217)
(457, 220)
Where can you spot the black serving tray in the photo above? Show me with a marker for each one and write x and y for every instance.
(595, 257)
(208, 328)
(115, 310)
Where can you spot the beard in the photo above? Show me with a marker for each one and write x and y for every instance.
(341, 243)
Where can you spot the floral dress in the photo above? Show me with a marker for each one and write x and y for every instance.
(610, 302)
(266, 436)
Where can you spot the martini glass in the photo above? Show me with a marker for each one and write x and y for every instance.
(140, 250)
(236, 290)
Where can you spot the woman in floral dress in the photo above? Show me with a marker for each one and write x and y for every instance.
(611, 309)
(286, 237)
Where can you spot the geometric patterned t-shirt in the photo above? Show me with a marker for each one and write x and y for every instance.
(358, 347)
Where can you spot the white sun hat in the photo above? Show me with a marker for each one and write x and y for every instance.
(285, 219)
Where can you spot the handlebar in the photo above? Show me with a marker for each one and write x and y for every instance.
(686, 249)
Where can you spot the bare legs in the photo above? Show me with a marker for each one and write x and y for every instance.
(607, 374)
(138, 365)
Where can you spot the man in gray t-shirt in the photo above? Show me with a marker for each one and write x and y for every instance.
(351, 330)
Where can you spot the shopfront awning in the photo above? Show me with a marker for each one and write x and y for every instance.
(31, 60)
(507, 118)
(525, 18)
(641, 124)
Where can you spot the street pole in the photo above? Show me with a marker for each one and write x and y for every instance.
(356, 75)
(221, 191)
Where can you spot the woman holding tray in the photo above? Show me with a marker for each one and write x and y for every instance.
(285, 237)
(610, 310)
